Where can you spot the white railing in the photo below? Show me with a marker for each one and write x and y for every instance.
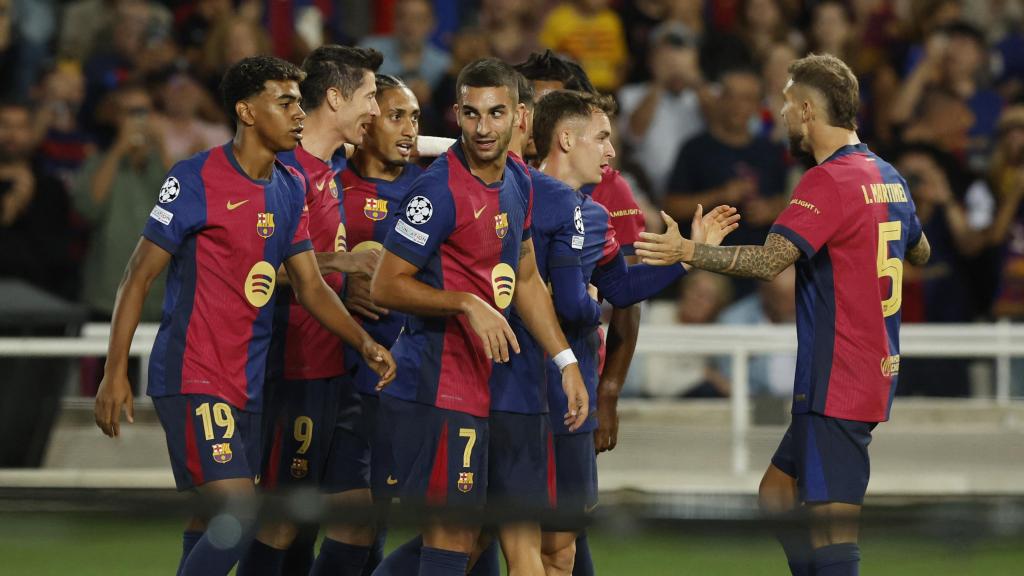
(1001, 341)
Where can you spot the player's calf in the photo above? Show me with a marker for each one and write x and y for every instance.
(520, 544)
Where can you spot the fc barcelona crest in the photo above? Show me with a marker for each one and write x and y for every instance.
(501, 224)
(300, 468)
(265, 224)
(375, 209)
(465, 481)
(222, 453)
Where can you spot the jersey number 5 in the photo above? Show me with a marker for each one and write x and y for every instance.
(891, 267)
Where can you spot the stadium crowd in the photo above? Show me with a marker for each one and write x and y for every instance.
(98, 98)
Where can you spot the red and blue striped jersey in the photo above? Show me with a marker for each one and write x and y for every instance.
(370, 204)
(302, 348)
(614, 193)
(573, 231)
(463, 235)
(228, 235)
(853, 219)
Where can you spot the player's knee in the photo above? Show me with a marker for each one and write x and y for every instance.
(279, 536)
(777, 492)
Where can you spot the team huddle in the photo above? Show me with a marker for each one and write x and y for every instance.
(468, 377)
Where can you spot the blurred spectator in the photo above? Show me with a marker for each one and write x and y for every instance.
(195, 21)
(955, 60)
(139, 34)
(639, 19)
(658, 116)
(115, 193)
(89, 26)
(35, 234)
(1006, 181)
(832, 30)
(702, 295)
(231, 40)
(773, 303)
(64, 145)
(943, 121)
(511, 28)
(940, 291)
(26, 28)
(592, 34)
(408, 54)
(775, 72)
(763, 23)
(185, 131)
(729, 164)
(439, 119)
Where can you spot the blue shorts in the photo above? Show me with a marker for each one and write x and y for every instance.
(380, 451)
(576, 481)
(208, 439)
(521, 462)
(438, 456)
(828, 457)
(315, 436)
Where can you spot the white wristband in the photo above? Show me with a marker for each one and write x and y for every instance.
(564, 358)
(432, 146)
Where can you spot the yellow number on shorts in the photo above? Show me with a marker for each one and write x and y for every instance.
(220, 415)
(303, 432)
(469, 433)
(891, 267)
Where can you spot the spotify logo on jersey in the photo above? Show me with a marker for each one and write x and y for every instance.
(259, 284)
(503, 281)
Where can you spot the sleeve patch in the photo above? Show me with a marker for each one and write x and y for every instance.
(162, 216)
(577, 242)
(412, 234)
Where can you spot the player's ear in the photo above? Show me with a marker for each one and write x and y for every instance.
(458, 117)
(566, 141)
(520, 118)
(334, 98)
(244, 112)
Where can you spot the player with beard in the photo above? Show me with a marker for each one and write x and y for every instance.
(374, 184)
(311, 397)
(848, 228)
(459, 255)
(225, 221)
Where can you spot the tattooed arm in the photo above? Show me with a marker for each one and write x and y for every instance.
(919, 254)
(762, 262)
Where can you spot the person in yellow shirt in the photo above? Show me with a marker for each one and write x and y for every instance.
(592, 33)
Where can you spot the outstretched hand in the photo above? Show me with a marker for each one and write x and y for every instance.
(713, 227)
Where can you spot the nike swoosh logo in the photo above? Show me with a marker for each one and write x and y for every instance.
(320, 185)
(233, 205)
(391, 481)
(477, 213)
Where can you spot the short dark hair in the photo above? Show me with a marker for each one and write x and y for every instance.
(548, 66)
(334, 66)
(836, 82)
(248, 76)
(526, 93)
(387, 82)
(561, 105)
(488, 73)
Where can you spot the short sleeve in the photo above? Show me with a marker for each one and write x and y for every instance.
(814, 214)
(180, 210)
(528, 219)
(300, 240)
(625, 216)
(426, 218)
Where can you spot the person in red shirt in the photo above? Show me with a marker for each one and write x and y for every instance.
(225, 221)
(849, 227)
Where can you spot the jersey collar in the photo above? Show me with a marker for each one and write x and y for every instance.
(861, 148)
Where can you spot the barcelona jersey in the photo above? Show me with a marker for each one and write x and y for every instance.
(463, 235)
(370, 204)
(853, 219)
(614, 193)
(228, 234)
(571, 229)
